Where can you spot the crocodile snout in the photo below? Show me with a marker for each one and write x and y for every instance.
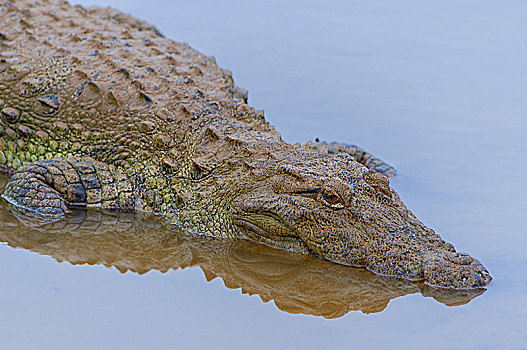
(454, 270)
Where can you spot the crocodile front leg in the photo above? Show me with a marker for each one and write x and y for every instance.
(51, 187)
(365, 158)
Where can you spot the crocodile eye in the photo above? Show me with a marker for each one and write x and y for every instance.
(331, 199)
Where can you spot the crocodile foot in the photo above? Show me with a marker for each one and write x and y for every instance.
(49, 188)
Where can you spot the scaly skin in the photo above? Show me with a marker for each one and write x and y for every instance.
(98, 109)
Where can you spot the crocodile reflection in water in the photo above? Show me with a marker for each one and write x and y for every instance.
(297, 283)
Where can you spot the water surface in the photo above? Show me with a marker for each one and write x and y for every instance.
(436, 89)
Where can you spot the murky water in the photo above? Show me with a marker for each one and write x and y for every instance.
(436, 89)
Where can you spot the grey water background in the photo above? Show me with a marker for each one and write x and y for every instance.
(438, 89)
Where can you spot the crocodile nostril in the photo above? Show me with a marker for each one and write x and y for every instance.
(455, 270)
(485, 276)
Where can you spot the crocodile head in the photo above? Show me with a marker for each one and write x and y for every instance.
(338, 209)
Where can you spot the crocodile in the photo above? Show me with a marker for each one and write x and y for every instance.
(99, 109)
(139, 242)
